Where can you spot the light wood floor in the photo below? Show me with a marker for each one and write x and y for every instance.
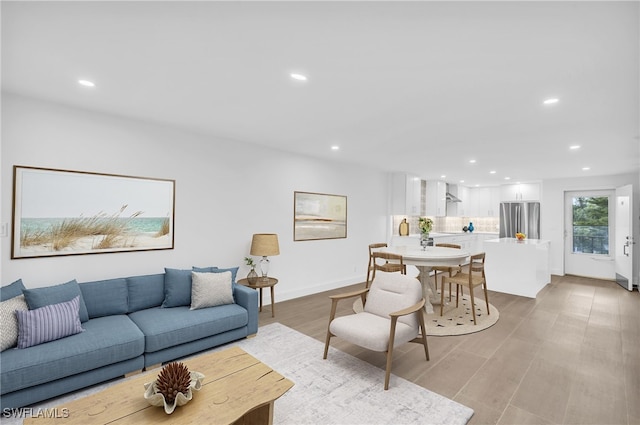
(571, 356)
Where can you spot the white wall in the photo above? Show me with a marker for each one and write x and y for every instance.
(552, 213)
(225, 192)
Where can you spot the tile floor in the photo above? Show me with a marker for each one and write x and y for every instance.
(570, 356)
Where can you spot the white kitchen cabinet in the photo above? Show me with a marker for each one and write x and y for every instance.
(520, 192)
(463, 205)
(436, 198)
(405, 192)
(484, 202)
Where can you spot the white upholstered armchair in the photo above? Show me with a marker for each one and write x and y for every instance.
(392, 316)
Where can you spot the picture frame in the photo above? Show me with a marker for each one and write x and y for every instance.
(65, 212)
(319, 216)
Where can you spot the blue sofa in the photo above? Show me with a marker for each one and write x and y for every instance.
(128, 329)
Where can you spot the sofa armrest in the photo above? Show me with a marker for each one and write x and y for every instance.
(248, 298)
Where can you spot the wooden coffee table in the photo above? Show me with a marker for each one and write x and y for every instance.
(237, 389)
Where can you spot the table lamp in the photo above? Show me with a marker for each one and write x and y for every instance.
(265, 244)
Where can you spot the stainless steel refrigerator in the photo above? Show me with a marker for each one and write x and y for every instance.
(523, 217)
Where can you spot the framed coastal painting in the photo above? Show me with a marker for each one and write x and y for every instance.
(63, 212)
(319, 216)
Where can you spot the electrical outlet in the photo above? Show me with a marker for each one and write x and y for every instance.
(4, 230)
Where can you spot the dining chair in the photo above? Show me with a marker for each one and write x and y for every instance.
(388, 262)
(374, 247)
(446, 269)
(392, 316)
(475, 277)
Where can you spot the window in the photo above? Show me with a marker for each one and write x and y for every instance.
(591, 225)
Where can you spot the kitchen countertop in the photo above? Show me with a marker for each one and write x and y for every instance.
(515, 241)
(439, 234)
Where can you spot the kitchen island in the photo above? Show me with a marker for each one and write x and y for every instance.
(517, 267)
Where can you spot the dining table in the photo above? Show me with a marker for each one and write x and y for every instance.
(425, 258)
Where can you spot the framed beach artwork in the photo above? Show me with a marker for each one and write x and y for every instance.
(63, 212)
(319, 216)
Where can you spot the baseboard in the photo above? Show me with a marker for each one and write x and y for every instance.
(310, 290)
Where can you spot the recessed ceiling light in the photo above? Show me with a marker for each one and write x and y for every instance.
(492, 172)
(461, 181)
(335, 148)
(507, 178)
(551, 101)
(298, 77)
(443, 176)
(574, 147)
(586, 168)
(477, 185)
(86, 83)
(472, 161)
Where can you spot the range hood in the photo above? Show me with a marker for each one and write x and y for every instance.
(452, 198)
(452, 191)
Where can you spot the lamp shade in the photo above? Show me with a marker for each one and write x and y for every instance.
(265, 244)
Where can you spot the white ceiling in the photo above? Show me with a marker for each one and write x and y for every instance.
(420, 87)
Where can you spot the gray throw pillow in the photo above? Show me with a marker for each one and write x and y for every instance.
(9, 322)
(211, 289)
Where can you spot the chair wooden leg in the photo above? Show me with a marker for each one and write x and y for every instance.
(458, 288)
(486, 297)
(392, 334)
(334, 305)
(473, 305)
(435, 279)
(326, 344)
(423, 331)
(442, 296)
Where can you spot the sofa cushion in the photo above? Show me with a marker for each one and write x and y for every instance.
(105, 297)
(167, 327)
(39, 297)
(12, 290)
(99, 345)
(233, 270)
(48, 323)
(210, 289)
(177, 288)
(145, 291)
(9, 321)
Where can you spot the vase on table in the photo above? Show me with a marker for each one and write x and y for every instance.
(424, 240)
(252, 277)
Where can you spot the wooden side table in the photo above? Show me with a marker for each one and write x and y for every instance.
(261, 283)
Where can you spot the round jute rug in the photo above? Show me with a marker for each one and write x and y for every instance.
(459, 321)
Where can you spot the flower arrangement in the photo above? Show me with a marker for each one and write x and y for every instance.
(249, 262)
(425, 224)
(520, 236)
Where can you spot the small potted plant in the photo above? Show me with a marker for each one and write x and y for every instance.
(252, 277)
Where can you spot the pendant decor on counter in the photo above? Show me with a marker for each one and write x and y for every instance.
(470, 228)
(404, 228)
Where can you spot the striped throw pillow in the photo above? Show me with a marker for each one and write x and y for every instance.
(48, 323)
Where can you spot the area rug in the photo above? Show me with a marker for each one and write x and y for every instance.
(454, 321)
(341, 390)
(459, 321)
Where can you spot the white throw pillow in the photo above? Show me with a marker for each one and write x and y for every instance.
(210, 289)
(9, 321)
